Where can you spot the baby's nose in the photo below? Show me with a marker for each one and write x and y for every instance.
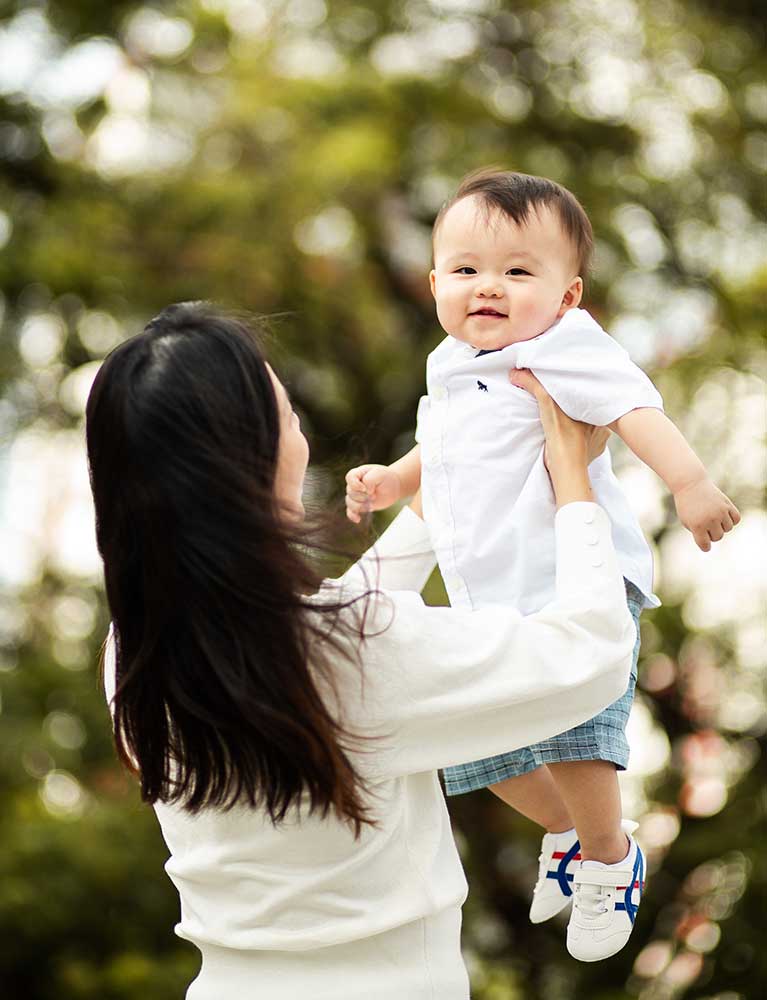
(490, 288)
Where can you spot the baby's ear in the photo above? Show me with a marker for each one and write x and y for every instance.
(572, 297)
(432, 282)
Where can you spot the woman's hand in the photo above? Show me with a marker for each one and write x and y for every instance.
(571, 446)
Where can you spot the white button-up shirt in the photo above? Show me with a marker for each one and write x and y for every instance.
(487, 497)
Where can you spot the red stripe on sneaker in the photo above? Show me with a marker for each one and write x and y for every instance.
(561, 854)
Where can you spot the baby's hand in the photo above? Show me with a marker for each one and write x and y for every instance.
(370, 487)
(706, 512)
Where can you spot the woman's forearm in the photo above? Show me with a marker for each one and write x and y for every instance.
(566, 458)
(659, 444)
(571, 484)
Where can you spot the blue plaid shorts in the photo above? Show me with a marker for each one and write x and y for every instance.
(601, 738)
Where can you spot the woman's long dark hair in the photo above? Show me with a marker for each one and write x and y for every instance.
(215, 700)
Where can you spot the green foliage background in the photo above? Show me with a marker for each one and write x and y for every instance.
(288, 158)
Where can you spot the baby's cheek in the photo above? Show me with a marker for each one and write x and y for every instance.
(450, 310)
(443, 310)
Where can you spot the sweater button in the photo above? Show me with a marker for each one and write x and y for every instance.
(589, 518)
(592, 538)
(596, 562)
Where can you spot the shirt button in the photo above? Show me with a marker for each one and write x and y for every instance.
(589, 518)
(597, 561)
(592, 538)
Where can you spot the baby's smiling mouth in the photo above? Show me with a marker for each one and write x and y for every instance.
(488, 312)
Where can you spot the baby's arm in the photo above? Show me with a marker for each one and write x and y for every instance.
(702, 508)
(375, 487)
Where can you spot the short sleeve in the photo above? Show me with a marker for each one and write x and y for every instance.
(586, 372)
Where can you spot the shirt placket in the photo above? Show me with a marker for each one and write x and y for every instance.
(443, 531)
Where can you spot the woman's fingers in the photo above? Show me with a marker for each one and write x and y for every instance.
(524, 379)
(597, 443)
(552, 416)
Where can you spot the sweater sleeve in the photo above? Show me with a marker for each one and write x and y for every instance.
(401, 559)
(443, 686)
(586, 371)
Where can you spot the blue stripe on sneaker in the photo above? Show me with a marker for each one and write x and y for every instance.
(561, 873)
(637, 876)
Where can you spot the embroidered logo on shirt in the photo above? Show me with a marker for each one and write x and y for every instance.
(481, 386)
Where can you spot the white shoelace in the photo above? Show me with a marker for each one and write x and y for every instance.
(591, 900)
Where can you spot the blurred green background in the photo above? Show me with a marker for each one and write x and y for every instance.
(288, 158)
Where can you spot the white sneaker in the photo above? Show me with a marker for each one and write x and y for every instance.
(605, 902)
(557, 863)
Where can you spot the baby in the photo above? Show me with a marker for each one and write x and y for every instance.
(510, 254)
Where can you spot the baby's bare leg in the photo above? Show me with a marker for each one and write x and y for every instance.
(592, 794)
(536, 796)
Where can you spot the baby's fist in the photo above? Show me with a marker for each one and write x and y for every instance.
(705, 511)
(370, 487)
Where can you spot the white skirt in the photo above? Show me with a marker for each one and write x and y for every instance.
(419, 961)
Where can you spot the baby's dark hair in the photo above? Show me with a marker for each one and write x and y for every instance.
(516, 195)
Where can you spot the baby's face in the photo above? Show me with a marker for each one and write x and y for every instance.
(497, 283)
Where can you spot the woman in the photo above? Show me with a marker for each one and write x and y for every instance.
(287, 731)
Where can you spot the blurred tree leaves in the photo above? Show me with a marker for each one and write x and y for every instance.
(288, 158)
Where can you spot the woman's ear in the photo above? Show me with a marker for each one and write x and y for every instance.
(572, 296)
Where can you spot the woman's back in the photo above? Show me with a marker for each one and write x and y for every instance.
(309, 883)
(287, 906)
(305, 909)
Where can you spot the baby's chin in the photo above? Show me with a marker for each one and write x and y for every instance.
(490, 340)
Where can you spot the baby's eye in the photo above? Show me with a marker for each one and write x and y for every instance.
(517, 270)
(465, 270)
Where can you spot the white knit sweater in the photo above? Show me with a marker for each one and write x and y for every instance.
(296, 904)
